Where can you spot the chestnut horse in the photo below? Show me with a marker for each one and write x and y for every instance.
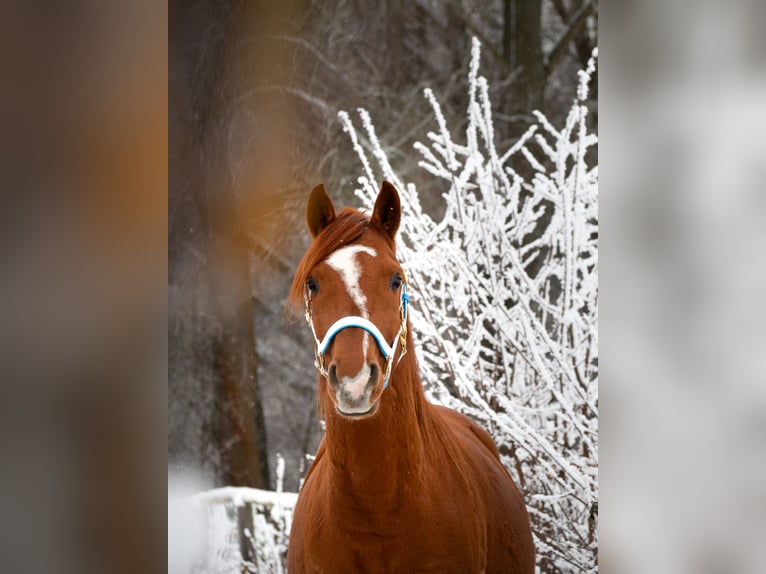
(398, 484)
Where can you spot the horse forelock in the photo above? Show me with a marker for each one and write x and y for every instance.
(347, 227)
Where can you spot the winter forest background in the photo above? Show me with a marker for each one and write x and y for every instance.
(483, 114)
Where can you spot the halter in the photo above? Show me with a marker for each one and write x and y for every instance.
(320, 347)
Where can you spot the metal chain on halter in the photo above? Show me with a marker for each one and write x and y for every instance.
(403, 304)
(318, 357)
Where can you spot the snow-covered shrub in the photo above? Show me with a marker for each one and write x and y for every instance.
(505, 301)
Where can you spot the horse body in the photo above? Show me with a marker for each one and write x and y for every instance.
(405, 486)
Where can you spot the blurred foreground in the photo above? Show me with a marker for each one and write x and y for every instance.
(683, 321)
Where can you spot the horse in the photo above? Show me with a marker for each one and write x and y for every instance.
(398, 484)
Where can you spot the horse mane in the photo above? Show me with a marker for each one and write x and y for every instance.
(346, 228)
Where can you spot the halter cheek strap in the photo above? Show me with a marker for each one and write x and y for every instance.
(388, 351)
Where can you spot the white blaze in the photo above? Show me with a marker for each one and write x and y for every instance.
(356, 385)
(344, 262)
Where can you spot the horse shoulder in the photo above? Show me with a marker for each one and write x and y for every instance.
(469, 428)
(511, 549)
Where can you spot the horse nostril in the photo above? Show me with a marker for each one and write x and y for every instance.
(373, 374)
(333, 377)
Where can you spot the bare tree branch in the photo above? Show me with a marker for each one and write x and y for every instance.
(575, 22)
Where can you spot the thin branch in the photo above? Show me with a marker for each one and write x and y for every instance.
(577, 19)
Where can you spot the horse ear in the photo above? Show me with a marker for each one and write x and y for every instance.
(388, 210)
(319, 210)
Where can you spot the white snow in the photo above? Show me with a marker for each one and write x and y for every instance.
(206, 530)
(239, 495)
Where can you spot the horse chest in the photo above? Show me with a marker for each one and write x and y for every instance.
(423, 550)
(425, 534)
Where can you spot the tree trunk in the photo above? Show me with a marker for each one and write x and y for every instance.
(237, 429)
(241, 426)
(529, 50)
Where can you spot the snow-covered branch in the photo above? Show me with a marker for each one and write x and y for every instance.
(505, 299)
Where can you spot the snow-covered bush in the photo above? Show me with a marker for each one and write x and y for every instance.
(505, 301)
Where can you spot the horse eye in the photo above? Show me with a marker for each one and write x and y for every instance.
(396, 282)
(312, 285)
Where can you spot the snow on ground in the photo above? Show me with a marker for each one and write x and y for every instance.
(226, 530)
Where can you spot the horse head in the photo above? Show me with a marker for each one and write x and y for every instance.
(354, 295)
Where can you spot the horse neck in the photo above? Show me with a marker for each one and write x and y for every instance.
(374, 457)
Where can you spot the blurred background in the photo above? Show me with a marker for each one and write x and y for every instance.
(255, 89)
(682, 457)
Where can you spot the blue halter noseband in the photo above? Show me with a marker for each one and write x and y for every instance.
(355, 321)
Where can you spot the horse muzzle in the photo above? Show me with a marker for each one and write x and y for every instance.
(353, 394)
